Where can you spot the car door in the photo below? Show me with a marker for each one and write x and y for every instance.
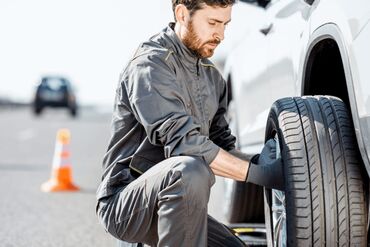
(264, 68)
(288, 22)
(250, 87)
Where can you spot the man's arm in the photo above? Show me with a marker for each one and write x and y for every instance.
(229, 166)
(262, 169)
(157, 101)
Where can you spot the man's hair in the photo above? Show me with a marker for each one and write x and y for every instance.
(194, 5)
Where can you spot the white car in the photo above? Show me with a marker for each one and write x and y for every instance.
(244, 17)
(302, 77)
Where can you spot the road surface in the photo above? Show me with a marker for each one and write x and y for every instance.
(30, 217)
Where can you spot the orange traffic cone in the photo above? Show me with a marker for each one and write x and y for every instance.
(61, 176)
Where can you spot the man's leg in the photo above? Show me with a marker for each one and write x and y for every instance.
(166, 206)
(218, 236)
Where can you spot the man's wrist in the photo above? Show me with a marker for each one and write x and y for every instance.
(253, 160)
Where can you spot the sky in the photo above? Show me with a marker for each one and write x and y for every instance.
(87, 41)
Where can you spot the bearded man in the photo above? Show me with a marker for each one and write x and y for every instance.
(170, 137)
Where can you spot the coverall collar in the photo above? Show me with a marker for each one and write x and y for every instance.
(188, 57)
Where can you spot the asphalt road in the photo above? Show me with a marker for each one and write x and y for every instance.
(30, 217)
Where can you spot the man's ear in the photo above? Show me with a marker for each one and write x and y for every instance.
(181, 14)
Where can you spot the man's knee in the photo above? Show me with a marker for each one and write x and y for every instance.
(195, 170)
(196, 176)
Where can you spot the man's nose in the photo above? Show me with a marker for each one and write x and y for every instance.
(219, 34)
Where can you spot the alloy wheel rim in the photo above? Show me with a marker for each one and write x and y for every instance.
(278, 211)
(279, 218)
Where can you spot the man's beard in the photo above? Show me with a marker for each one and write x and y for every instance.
(194, 44)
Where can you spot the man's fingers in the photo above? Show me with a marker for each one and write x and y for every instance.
(271, 143)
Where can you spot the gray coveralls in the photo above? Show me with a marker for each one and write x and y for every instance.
(168, 125)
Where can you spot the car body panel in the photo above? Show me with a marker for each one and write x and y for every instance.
(361, 55)
(347, 23)
(247, 83)
(240, 26)
(271, 65)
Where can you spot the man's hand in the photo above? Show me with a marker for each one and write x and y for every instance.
(268, 153)
(265, 169)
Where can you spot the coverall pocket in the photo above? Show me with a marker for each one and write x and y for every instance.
(131, 211)
(140, 164)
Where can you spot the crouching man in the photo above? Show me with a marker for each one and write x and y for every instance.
(170, 137)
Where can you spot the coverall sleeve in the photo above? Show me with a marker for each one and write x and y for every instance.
(220, 132)
(158, 104)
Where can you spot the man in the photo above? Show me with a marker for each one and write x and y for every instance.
(170, 137)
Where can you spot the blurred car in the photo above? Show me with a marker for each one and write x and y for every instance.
(54, 91)
(301, 77)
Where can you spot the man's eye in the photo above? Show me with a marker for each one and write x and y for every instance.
(212, 23)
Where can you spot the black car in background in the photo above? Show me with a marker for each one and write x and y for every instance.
(55, 91)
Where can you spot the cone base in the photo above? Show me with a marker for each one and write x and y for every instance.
(61, 180)
(55, 186)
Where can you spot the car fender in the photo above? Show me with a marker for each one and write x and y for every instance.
(344, 42)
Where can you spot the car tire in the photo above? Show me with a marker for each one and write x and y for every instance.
(244, 202)
(73, 112)
(324, 203)
(37, 110)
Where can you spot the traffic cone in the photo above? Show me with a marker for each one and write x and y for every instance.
(61, 175)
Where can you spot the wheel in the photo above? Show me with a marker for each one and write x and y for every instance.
(73, 111)
(324, 203)
(37, 110)
(244, 202)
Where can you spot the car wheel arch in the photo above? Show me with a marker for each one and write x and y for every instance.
(326, 43)
(330, 34)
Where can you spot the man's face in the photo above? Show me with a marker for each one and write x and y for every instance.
(205, 30)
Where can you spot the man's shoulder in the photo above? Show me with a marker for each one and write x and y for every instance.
(151, 51)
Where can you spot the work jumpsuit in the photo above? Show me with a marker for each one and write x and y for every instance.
(168, 125)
